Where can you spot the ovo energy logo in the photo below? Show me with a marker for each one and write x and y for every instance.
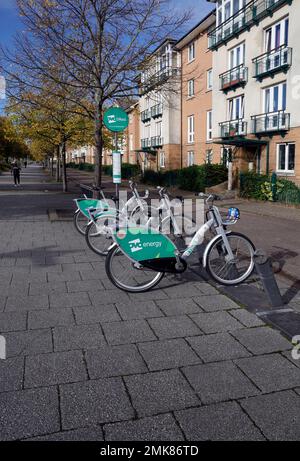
(135, 245)
(2, 348)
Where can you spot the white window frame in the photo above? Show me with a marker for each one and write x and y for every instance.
(286, 170)
(209, 156)
(190, 158)
(191, 52)
(232, 105)
(191, 88)
(209, 126)
(271, 101)
(233, 56)
(191, 129)
(162, 159)
(270, 34)
(209, 79)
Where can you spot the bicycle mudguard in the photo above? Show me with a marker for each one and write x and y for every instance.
(148, 247)
(85, 204)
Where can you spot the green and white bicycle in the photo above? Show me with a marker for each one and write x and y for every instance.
(140, 257)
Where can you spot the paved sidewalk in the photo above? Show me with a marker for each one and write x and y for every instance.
(89, 362)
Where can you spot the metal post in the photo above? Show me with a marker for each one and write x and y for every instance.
(264, 270)
(117, 185)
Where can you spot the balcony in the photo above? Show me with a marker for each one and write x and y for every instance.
(157, 141)
(243, 19)
(270, 123)
(233, 78)
(157, 111)
(146, 143)
(268, 64)
(159, 79)
(146, 115)
(233, 128)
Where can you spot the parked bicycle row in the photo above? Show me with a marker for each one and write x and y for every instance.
(142, 242)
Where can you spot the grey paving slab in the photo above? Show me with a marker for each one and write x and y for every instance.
(20, 289)
(85, 285)
(86, 434)
(154, 294)
(13, 321)
(63, 277)
(11, 374)
(46, 268)
(271, 372)
(207, 289)
(140, 310)
(109, 361)
(93, 274)
(262, 340)
(182, 290)
(28, 342)
(55, 368)
(277, 414)
(94, 402)
(174, 327)
(2, 303)
(178, 306)
(171, 353)
(216, 322)
(217, 347)
(28, 413)
(63, 300)
(160, 392)
(47, 288)
(108, 297)
(246, 318)
(126, 332)
(217, 382)
(293, 356)
(212, 303)
(50, 318)
(77, 337)
(90, 314)
(26, 303)
(76, 267)
(161, 428)
(223, 421)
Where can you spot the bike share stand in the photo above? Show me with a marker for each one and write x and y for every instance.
(264, 269)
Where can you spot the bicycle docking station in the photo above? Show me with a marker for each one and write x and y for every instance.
(265, 272)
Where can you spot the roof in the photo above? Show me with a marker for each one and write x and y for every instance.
(203, 25)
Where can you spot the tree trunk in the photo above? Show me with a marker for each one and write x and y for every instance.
(52, 166)
(98, 145)
(63, 165)
(57, 163)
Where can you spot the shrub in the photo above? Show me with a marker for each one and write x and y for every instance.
(260, 187)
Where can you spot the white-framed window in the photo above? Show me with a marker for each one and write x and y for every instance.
(236, 56)
(209, 83)
(190, 158)
(227, 8)
(236, 108)
(277, 35)
(158, 128)
(191, 129)
(162, 160)
(275, 98)
(209, 125)
(209, 156)
(191, 52)
(131, 142)
(191, 88)
(286, 158)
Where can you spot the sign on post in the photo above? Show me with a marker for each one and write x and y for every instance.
(116, 156)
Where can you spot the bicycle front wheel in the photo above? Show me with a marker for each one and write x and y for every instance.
(128, 275)
(226, 271)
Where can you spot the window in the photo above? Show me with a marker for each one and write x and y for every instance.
(191, 129)
(190, 158)
(191, 52)
(275, 98)
(277, 35)
(236, 56)
(209, 79)
(162, 160)
(209, 125)
(236, 108)
(227, 8)
(158, 128)
(286, 158)
(191, 88)
(209, 156)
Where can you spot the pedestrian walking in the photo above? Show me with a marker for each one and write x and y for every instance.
(16, 170)
(25, 163)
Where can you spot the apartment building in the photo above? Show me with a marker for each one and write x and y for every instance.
(133, 140)
(160, 109)
(256, 90)
(84, 154)
(196, 95)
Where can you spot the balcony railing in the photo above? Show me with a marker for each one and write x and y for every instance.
(277, 60)
(157, 111)
(250, 14)
(233, 78)
(271, 122)
(146, 115)
(158, 79)
(145, 143)
(233, 128)
(157, 141)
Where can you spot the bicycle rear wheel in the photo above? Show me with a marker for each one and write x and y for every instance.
(80, 222)
(227, 272)
(98, 234)
(128, 275)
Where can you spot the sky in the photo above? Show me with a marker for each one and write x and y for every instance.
(10, 22)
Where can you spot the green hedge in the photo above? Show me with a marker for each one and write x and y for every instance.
(262, 187)
(194, 178)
